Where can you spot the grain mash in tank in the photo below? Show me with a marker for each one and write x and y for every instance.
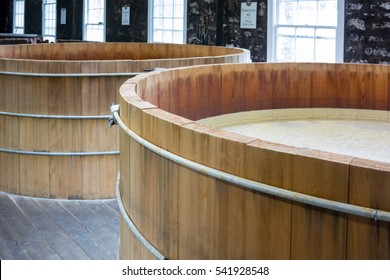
(358, 133)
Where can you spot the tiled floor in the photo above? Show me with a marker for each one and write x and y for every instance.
(45, 229)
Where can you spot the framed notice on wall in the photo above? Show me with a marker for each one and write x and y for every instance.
(248, 15)
(126, 14)
(63, 16)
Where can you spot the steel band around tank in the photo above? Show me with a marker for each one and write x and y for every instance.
(70, 154)
(40, 116)
(68, 75)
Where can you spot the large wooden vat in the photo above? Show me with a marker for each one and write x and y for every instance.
(54, 107)
(183, 214)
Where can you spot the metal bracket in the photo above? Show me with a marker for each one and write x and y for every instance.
(111, 120)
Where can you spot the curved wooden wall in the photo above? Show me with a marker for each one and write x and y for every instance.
(127, 51)
(186, 215)
(32, 83)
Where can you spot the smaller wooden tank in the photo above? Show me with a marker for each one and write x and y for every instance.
(54, 109)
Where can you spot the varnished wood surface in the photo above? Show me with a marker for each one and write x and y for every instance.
(47, 229)
(187, 215)
(119, 51)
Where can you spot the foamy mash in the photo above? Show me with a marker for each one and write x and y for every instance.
(358, 133)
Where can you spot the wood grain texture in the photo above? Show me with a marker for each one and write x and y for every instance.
(370, 188)
(271, 164)
(319, 233)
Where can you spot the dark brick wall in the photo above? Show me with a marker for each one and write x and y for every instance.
(6, 8)
(203, 21)
(253, 39)
(33, 16)
(367, 31)
(136, 31)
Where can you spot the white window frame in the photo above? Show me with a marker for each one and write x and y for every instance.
(18, 29)
(273, 6)
(151, 24)
(47, 36)
(86, 24)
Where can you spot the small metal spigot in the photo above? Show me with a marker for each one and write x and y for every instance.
(114, 109)
(112, 121)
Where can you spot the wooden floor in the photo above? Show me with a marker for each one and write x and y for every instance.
(47, 229)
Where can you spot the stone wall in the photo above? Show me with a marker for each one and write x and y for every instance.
(253, 39)
(367, 31)
(6, 8)
(202, 17)
(136, 31)
(33, 22)
(202, 26)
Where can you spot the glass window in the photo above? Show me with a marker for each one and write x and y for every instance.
(305, 30)
(167, 21)
(49, 20)
(94, 20)
(19, 16)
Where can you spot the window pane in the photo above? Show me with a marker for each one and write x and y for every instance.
(307, 12)
(158, 36)
(168, 21)
(286, 31)
(304, 49)
(305, 32)
(49, 20)
(95, 20)
(95, 16)
(288, 13)
(159, 11)
(285, 44)
(177, 37)
(327, 13)
(179, 11)
(178, 24)
(158, 24)
(314, 43)
(305, 45)
(95, 33)
(19, 16)
(326, 45)
(168, 11)
(19, 7)
(168, 36)
(325, 50)
(326, 33)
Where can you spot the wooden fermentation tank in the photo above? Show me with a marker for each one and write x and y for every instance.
(54, 107)
(187, 215)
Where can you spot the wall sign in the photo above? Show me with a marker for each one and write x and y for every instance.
(248, 15)
(126, 14)
(63, 16)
